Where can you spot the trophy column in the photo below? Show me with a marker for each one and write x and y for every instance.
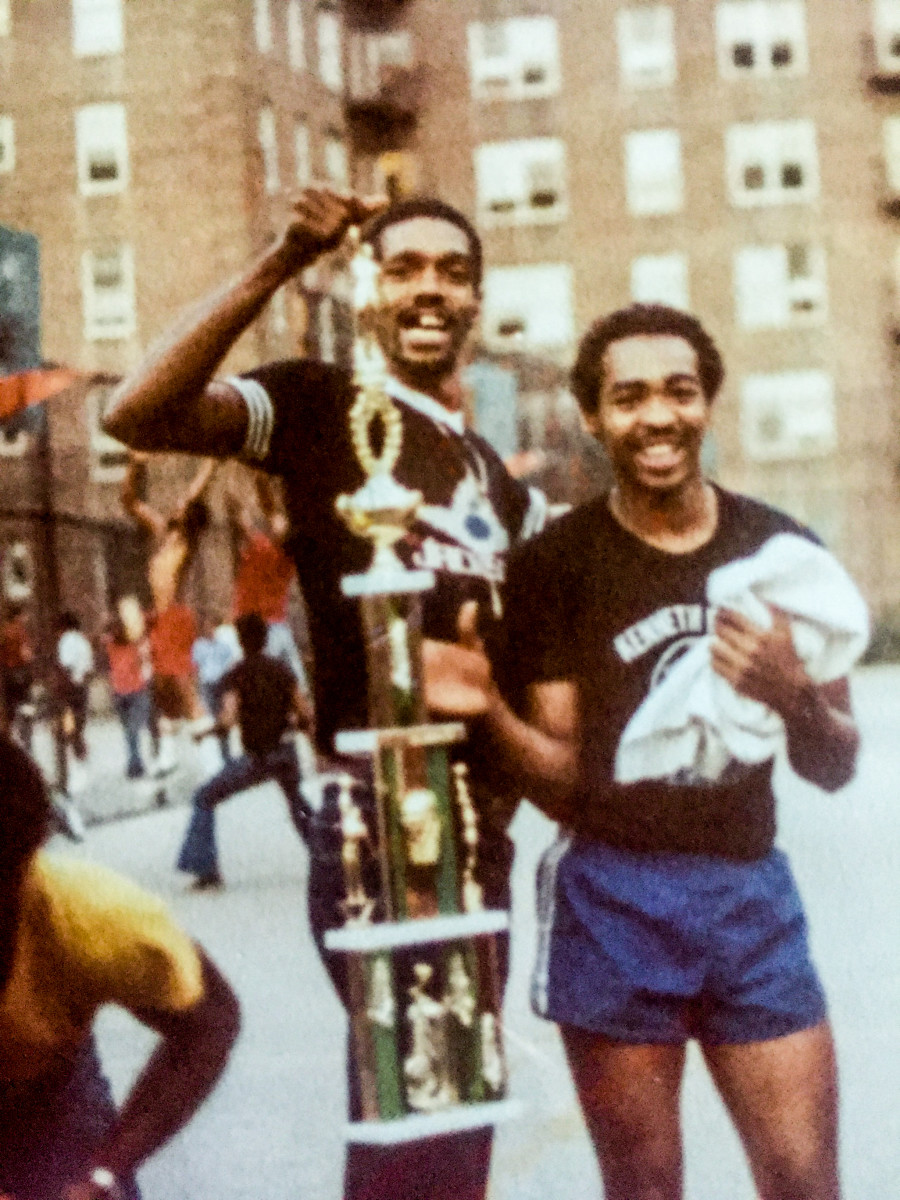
(422, 964)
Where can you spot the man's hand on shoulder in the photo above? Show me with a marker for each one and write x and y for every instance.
(320, 217)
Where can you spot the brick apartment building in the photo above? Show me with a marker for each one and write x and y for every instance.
(740, 158)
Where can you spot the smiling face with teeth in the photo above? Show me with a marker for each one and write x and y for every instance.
(652, 413)
(427, 299)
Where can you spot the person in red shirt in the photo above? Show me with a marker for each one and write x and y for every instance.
(265, 573)
(128, 656)
(173, 627)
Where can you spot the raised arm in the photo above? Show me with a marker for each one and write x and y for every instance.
(191, 1055)
(822, 736)
(171, 402)
(146, 516)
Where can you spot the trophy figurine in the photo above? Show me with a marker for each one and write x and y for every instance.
(421, 954)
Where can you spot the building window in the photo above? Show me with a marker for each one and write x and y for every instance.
(772, 162)
(653, 176)
(268, 142)
(337, 163)
(97, 27)
(4, 18)
(514, 59)
(788, 415)
(778, 286)
(660, 279)
(521, 182)
(101, 146)
(18, 572)
(646, 37)
(262, 25)
(295, 36)
(761, 37)
(529, 307)
(891, 141)
(331, 68)
(109, 458)
(887, 34)
(302, 154)
(108, 292)
(7, 145)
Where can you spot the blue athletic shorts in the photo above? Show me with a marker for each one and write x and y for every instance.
(659, 948)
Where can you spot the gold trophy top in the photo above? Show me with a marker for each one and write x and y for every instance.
(382, 510)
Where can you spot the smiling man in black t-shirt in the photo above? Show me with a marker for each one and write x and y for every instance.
(290, 419)
(665, 911)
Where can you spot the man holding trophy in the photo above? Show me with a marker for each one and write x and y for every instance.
(335, 438)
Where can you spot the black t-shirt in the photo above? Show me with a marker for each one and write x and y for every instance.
(590, 602)
(265, 689)
(472, 512)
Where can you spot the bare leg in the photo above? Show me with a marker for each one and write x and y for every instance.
(630, 1097)
(782, 1096)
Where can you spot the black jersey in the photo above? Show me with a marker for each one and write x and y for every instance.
(472, 513)
(590, 602)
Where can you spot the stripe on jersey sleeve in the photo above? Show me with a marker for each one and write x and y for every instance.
(260, 417)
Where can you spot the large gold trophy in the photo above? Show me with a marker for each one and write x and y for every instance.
(421, 952)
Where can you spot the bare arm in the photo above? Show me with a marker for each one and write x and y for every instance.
(170, 402)
(822, 736)
(539, 752)
(200, 482)
(143, 513)
(302, 709)
(191, 1055)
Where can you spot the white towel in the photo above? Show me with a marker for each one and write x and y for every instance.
(693, 724)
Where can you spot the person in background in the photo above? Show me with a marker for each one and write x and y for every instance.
(265, 573)
(73, 937)
(214, 653)
(127, 651)
(261, 696)
(75, 662)
(17, 671)
(173, 627)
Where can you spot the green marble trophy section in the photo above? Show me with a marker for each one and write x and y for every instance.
(393, 631)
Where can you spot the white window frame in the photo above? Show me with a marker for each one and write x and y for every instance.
(329, 48)
(97, 28)
(109, 325)
(336, 159)
(763, 26)
(654, 175)
(262, 25)
(101, 134)
(515, 179)
(886, 31)
(890, 134)
(537, 297)
(14, 591)
(769, 148)
(296, 36)
(303, 168)
(661, 279)
(799, 409)
(514, 59)
(5, 18)
(7, 144)
(645, 35)
(17, 446)
(769, 291)
(267, 133)
(103, 447)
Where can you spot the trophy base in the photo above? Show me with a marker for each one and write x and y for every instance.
(424, 1125)
(366, 742)
(366, 939)
(398, 582)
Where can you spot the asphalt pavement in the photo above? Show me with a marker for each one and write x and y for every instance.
(273, 1128)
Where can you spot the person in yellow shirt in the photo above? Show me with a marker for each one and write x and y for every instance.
(73, 937)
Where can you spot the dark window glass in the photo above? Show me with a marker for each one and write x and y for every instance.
(792, 175)
(754, 178)
(782, 54)
(742, 54)
(510, 327)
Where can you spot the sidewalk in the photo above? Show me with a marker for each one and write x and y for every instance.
(106, 795)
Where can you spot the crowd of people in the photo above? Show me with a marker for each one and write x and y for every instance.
(651, 659)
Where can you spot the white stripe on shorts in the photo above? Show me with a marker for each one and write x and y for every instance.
(260, 417)
(546, 912)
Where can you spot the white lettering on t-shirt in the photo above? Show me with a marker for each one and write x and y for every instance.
(672, 621)
(433, 555)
